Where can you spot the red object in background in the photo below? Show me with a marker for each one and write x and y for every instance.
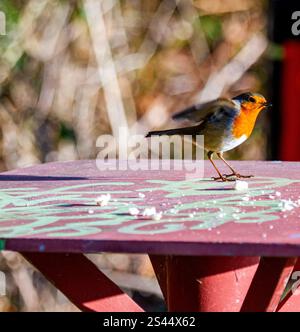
(290, 116)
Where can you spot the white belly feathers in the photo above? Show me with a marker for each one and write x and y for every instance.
(231, 143)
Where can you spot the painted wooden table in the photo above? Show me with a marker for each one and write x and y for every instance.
(213, 248)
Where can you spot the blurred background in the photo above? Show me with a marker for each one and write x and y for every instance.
(71, 71)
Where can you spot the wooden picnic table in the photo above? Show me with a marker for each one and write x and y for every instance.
(213, 248)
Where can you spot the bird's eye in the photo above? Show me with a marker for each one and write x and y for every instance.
(252, 100)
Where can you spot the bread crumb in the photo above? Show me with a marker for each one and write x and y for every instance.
(103, 200)
(240, 185)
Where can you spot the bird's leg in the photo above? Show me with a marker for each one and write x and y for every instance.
(221, 177)
(234, 173)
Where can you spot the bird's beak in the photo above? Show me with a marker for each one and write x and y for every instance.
(266, 104)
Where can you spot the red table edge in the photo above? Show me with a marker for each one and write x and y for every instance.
(178, 248)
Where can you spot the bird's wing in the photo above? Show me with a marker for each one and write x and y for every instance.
(199, 112)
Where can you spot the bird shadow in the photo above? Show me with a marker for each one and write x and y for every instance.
(78, 205)
(216, 189)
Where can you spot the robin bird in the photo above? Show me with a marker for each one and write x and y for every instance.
(225, 124)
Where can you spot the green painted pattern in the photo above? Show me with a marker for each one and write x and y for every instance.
(64, 211)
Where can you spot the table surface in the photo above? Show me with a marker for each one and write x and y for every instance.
(52, 208)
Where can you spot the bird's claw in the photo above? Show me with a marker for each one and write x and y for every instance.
(231, 177)
(238, 176)
(222, 178)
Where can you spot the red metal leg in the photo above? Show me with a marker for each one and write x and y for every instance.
(268, 283)
(291, 302)
(82, 282)
(208, 283)
(215, 283)
(159, 264)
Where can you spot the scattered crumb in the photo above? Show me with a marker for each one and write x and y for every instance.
(133, 211)
(287, 205)
(271, 226)
(264, 235)
(246, 198)
(141, 195)
(240, 185)
(103, 200)
(277, 193)
(157, 216)
(90, 211)
(149, 212)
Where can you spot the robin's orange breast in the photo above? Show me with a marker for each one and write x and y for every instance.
(244, 122)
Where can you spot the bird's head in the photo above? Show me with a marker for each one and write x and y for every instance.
(252, 101)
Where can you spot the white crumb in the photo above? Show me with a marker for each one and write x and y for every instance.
(103, 200)
(278, 193)
(246, 198)
(157, 216)
(149, 212)
(141, 195)
(133, 211)
(287, 205)
(240, 185)
(90, 211)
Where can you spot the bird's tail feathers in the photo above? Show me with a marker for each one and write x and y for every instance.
(170, 132)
